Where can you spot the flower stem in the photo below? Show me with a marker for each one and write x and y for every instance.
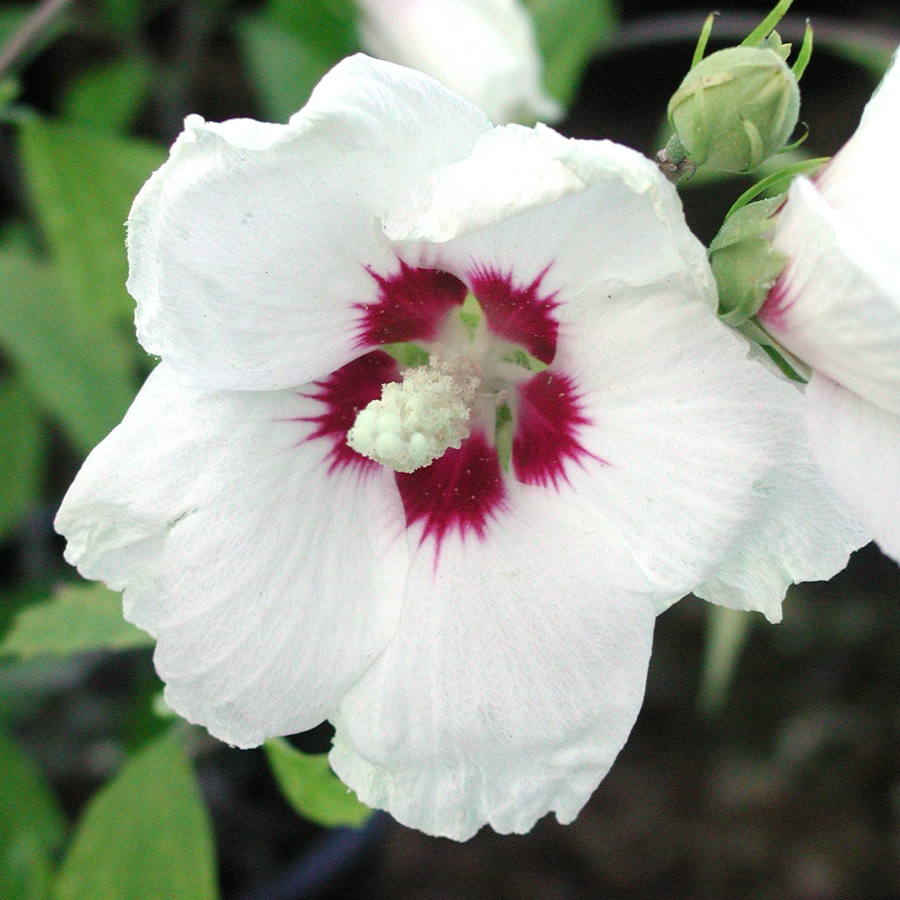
(36, 23)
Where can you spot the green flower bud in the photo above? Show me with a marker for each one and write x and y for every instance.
(737, 107)
(744, 261)
(746, 266)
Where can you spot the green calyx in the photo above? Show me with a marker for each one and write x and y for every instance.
(746, 266)
(745, 262)
(737, 107)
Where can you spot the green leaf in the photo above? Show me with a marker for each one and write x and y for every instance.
(109, 97)
(9, 90)
(22, 450)
(329, 26)
(144, 836)
(569, 32)
(79, 618)
(123, 16)
(82, 184)
(81, 376)
(283, 66)
(31, 827)
(310, 786)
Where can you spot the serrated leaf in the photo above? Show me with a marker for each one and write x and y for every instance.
(144, 836)
(569, 32)
(82, 184)
(22, 449)
(309, 785)
(110, 96)
(79, 618)
(31, 826)
(81, 376)
(283, 66)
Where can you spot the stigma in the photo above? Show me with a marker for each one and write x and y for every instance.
(419, 418)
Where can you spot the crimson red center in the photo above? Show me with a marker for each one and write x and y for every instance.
(466, 488)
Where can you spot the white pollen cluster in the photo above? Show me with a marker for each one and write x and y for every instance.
(418, 419)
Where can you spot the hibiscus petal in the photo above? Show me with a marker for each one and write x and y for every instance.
(857, 446)
(514, 678)
(270, 577)
(673, 433)
(253, 248)
(485, 50)
(859, 182)
(837, 305)
(566, 213)
(699, 454)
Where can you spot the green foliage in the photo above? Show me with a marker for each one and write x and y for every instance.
(109, 97)
(312, 788)
(328, 25)
(82, 184)
(9, 90)
(144, 836)
(568, 33)
(284, 67)
(122, 16)
(81, 376)
(291, 46)
(31, 827)
(22, 452)
(80, 617)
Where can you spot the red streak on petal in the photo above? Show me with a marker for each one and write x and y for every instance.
(462, 491)
(344, 393)
(518, 314)
(772, 313)
(411, 306)
(548, 418)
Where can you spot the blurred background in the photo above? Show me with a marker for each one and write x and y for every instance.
(766, 760)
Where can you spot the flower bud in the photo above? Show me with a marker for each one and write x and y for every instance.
(744, 261)
(737, 107)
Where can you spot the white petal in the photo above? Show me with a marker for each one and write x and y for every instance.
(795, 529)
(513, 681)
(691, 434)
(269, 583)
(841, 308)
(706, 467)
(485, 50)
(857, 446)
(589, 205)
(861, 182)
(248, 248)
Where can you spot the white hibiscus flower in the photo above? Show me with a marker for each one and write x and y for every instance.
(837, 308)
(478, 625)
(484, 50)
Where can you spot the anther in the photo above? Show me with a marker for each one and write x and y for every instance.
(417, 420)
